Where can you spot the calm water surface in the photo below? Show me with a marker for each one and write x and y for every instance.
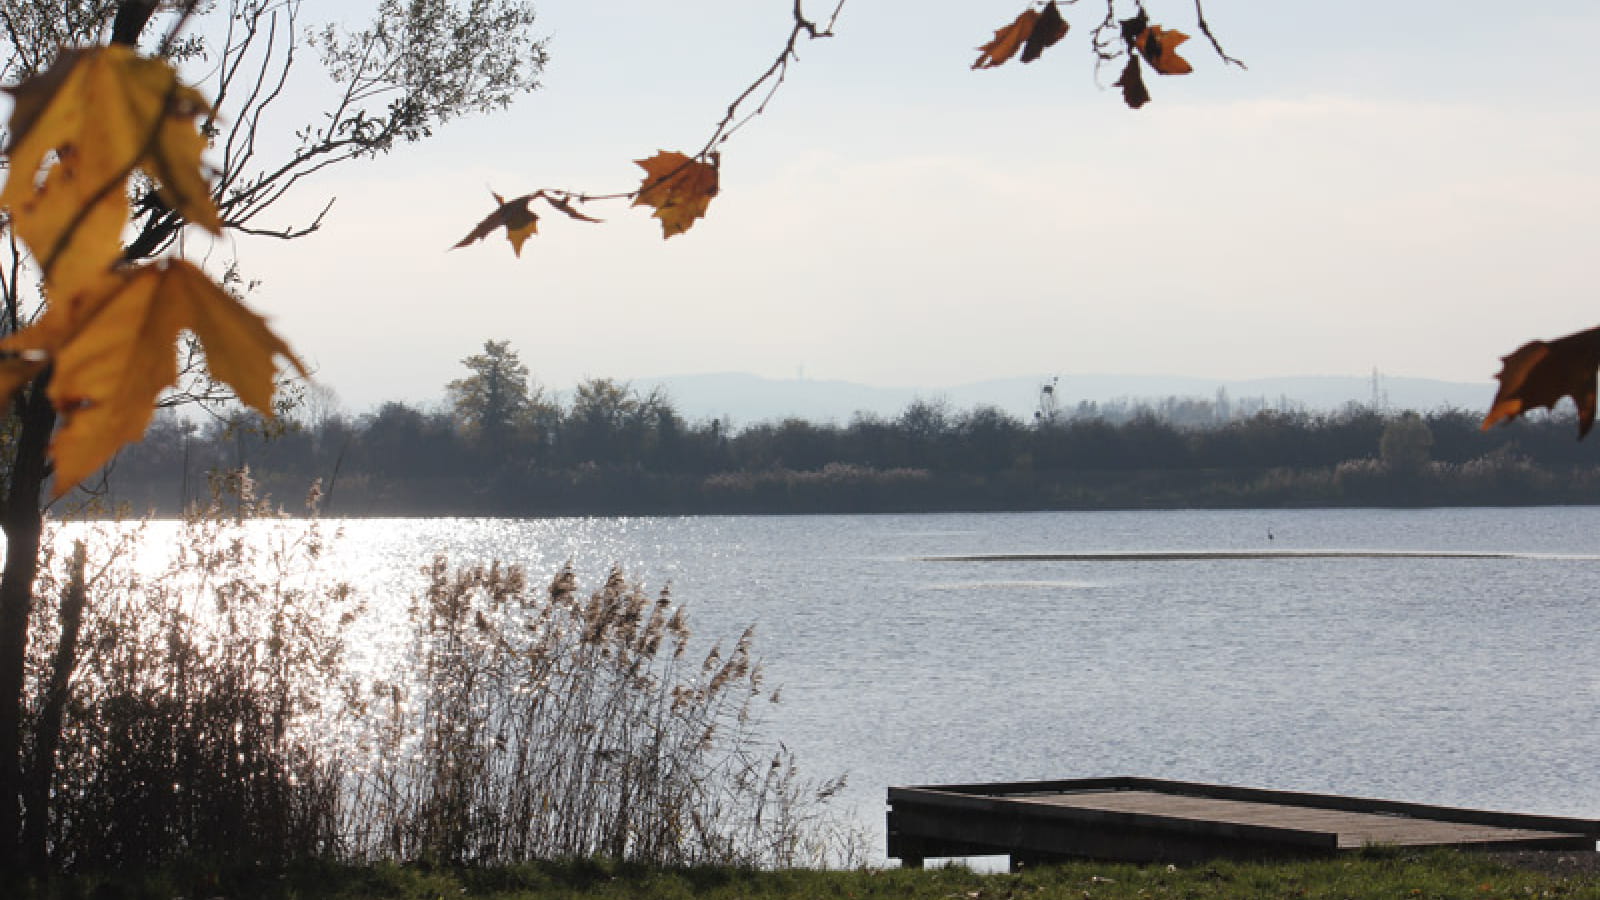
(1466, 681)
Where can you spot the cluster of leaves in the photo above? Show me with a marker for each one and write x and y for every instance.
(1157, 47)
(1036, 30)
(81, 131)
(1537, 375)
(680, 186)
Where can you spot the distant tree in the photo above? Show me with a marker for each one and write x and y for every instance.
(793, 443)
(991, 439)
(401, 441)
(491, 402)
(925, 420)
(603, 411)
(661, 430)
(1406, 443)
(925, 428)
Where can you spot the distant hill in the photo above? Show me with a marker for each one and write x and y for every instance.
(747, 399)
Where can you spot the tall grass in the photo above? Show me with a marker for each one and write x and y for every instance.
(183, 726)
(208, 708)
(539, 724)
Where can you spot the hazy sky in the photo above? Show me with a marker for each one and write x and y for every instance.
(1407, 186)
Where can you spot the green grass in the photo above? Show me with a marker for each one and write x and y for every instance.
(1392, 876)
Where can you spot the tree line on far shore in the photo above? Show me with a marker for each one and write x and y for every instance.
(501, 445)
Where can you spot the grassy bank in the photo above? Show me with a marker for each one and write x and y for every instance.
(1378, 875)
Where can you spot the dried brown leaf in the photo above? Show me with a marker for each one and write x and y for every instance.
(1007, 40)
(1048, 29)
(1132, 83)
(513, 215)
(1539, 373)
(1160, 49)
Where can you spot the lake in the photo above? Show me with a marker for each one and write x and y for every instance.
(1466, 679)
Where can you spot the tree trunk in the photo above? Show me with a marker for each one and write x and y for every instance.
(41, 773)
(22, 520)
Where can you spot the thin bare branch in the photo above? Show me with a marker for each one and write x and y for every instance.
(1205, 29)
(735, 117)
(288, 234)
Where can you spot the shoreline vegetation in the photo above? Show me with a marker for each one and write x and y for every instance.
(613, 452)
(212, 706)
(1374, 874)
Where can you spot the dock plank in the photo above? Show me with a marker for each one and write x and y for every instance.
(1150, 819)
(1354, 829)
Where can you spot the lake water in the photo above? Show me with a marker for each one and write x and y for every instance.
(1464, 680)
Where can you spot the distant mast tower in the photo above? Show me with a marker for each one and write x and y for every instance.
(1049, 405)
(1380, 397)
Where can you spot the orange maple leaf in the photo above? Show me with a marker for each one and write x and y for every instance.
(513, 215)
(1007, 40)
(519, 220)
(680, 189)
(1539, 373)
(1159, 47)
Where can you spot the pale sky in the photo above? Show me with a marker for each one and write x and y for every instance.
(1406, 186)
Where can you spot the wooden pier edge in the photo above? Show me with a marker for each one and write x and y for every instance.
(1006, 818)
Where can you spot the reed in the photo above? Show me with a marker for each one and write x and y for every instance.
(207, 708)
(183, 715)
(553, 724)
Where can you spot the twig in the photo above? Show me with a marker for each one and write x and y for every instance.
(731, 121)
(287, 233)
(177, 27)
(1205, 29)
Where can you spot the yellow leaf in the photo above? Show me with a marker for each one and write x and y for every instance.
(103, 112)
(680, 189)
(25, 353)
(108, 376)
(240, 349)
(111, 368)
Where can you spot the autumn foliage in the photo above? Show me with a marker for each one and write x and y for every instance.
(1034, 31)
(678, 188)
(80, 130)
(1539, 373)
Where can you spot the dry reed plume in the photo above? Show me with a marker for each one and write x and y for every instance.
(209, 710)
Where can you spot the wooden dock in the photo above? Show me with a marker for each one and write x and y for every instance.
(1147, 820)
